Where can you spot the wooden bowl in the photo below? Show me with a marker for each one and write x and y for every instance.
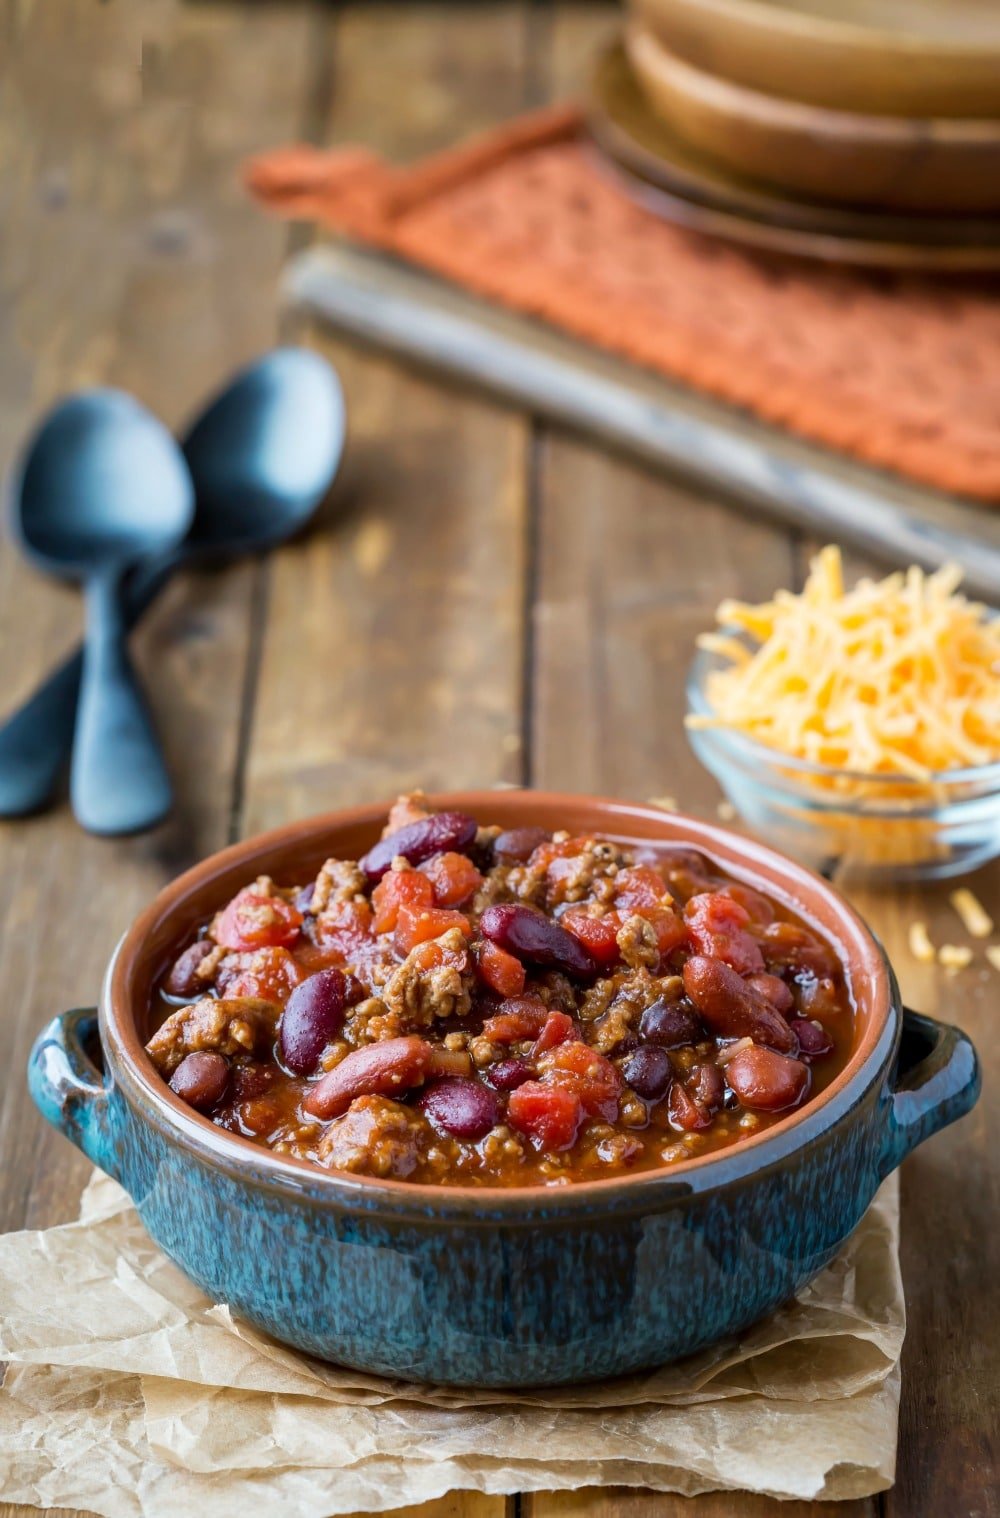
(667, 176)
(682, 185)
(901, 164)
(924, 58)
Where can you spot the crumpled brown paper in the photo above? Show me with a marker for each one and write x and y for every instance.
(131, 1394)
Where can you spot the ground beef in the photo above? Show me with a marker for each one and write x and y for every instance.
(241, 1026)
(406, 809)
(376, 1136)
(418, 996)
(339, 881)
(638, 944)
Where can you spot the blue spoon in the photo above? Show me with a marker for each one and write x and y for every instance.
(102, 485)
(262, 457)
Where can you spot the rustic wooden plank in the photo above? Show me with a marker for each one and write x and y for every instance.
(137, 262)
(410, 79)
(629, 569)
(392, 654)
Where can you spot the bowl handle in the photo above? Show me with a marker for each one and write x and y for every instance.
(937, 1081)
(69, 1090)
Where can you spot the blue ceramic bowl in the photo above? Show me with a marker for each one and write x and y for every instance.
(518, 1287)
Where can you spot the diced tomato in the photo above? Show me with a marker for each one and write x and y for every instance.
(588, 1074)
(499, 970)
(716, 926)
(313, 956)
(557, 1028)
(270, 974)
(549, 1115)
(598, 934)
(418, 924)
(255, 921)
(520, 1017)
(545, 853)
(789, 947)
(396, 889)
(454, 878)
(346, 927)
(670, 929)
(639, 886)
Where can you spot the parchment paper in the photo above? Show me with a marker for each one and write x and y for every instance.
(130, 1393)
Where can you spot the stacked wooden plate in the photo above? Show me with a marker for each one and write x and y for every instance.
(862, 129)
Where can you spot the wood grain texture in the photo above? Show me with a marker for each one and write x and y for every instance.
(476, 574)
(409, 601)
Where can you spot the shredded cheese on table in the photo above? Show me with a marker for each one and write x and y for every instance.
(920, 944)
(954, 957)
(976, 921)
(896, 677)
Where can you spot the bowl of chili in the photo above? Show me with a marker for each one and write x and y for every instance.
(537, 1088)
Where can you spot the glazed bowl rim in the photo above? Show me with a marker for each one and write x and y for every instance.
(151, 1098)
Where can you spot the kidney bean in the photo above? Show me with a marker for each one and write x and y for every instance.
(463, 1107)
(765, 1081)
(182, 980)
(531, 936)
(516, 845)
(302, 900)
(774, 990)
(731, 1008)
(671, 1024)
(440, 833)
(384, 1069)
(649, 1072)
(313, 1017)
(814, 1039)
(201, 1080)
(251, 1081)
(706, 1085)
(508, 1074)
(686, 1113)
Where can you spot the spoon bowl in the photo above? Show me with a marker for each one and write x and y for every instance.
(263, 453)
(103, 484)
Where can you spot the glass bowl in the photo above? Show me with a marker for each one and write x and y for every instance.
(870, 827)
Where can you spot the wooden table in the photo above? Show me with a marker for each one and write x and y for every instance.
(328, 673)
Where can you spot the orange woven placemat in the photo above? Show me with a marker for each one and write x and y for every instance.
(901, 371)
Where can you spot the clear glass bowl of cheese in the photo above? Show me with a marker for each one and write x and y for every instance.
(857, 822)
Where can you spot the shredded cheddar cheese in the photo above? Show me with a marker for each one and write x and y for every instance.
(993, 955)
(954, 957)
(896, 677)
(976, 921)
(920, 944)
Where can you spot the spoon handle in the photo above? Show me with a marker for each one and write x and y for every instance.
(37, 739)
(119, 782)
